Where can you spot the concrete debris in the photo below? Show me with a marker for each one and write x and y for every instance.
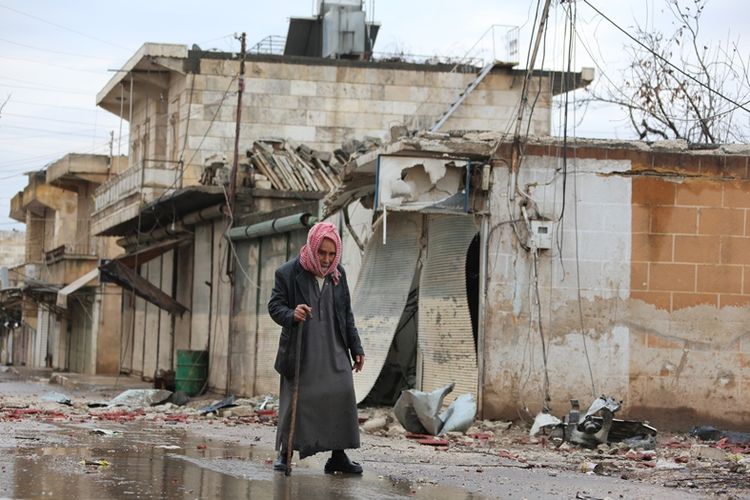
(375, 424)
(704, 452)
(56, 397)
(354, 148)
(709, 433)
(238, 411)
(179, 398)
(279, 165)
(105, 432)
(57, 379)
(641, 442)
(216, 171)
(140, 398)
(544, 421)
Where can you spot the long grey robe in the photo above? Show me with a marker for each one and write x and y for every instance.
(327, 406)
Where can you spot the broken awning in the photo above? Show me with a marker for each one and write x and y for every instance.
(115, 271)
(62, 295)
(134, 259)
(382, 291)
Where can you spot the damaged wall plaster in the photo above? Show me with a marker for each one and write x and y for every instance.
(657, 360)
(415, 183)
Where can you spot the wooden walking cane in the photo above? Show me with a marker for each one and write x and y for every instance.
(295, 396)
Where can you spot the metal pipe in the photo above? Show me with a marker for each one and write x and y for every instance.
(273, 226)
(179, 227)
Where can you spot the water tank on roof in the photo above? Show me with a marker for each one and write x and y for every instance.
(340, 30)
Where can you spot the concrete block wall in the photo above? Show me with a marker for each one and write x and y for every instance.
(689, 271)
(599, 254)
(662, 258)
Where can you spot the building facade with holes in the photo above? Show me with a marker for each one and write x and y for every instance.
(60, 315)
(181, 105)
(603, 267)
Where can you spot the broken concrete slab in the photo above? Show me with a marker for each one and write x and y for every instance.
(140, 398)
(56, 397)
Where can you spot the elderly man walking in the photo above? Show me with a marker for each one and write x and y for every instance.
(311, 289)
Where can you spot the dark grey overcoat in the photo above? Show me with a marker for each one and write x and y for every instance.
(291, 289)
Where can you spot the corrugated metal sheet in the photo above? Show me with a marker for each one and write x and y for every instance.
(446, 340)
(273, 253)
(382, 289)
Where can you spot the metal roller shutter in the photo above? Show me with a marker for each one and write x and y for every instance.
(446, 340)
(382, 289)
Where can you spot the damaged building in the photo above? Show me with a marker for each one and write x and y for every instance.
(58, 312)
(197, 276)
(596, 267)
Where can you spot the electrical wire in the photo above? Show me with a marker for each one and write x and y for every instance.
(667, 61)
(60, 26)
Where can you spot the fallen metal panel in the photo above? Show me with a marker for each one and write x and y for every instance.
(445, 335)
(382, 290)
(114, 271)
(62, 295)
(146, 254)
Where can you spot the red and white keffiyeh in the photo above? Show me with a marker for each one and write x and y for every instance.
(308, 254)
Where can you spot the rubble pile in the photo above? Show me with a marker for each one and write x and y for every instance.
(284, 166)
(147, 405)
(707, 459)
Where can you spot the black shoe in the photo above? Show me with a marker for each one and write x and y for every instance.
(339, 462)
(280, 463)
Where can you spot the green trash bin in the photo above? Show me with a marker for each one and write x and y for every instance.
(192, 371)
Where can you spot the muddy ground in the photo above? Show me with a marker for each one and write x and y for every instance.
(169, 451)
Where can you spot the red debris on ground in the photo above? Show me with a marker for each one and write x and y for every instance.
(724, 444)
(176, 417)
(119, 416)
(676, 444)
(511, 456)
(19, 413)
(414, 435)
(482, 436)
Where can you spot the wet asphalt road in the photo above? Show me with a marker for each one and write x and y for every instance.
(66, 458)
(71, 460)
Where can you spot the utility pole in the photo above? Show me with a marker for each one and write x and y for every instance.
(230, 206)
(111, 151)
(241, 88)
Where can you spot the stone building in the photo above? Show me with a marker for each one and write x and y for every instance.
(181, 105)
(66, 318)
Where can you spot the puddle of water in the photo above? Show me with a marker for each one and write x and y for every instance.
(139, 468)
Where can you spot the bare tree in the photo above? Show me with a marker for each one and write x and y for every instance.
(679, 87)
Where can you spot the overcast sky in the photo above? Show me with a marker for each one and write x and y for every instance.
(56, 55)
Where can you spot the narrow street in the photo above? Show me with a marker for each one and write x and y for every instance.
(73, 451)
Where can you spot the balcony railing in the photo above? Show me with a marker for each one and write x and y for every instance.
(57, 254)
(133, 180)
